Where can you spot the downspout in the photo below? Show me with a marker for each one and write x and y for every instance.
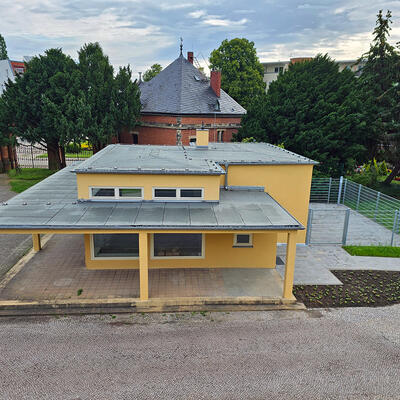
(226, 176)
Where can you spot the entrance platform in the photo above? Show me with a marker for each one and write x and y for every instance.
(57, 277)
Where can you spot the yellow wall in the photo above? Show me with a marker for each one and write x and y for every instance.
(202, 137)
(210, 183)
(218, 253)
(289, 185)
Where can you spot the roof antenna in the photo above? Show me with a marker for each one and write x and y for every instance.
(181, 45)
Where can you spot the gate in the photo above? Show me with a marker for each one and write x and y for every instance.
(327, 226)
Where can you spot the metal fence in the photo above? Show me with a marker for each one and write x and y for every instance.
(35, 156)
(374, 205)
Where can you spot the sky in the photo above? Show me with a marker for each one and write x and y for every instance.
(141, 33)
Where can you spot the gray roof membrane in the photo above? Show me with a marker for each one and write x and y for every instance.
(135, 159)
(145, 159)
(51, 204)
(180, 89)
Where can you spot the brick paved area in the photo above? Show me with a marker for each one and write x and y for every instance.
(58, 272)
(12, 247)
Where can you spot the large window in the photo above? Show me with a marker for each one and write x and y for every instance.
(175, 245)
(115, 245)
(124, 193)
(178, 193)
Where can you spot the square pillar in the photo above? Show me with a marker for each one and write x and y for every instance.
(144, 265)
(289, 266)
(37, 244)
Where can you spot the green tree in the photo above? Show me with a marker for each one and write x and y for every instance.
(314, 110)
(41, 106)
(3, 49)
(154, 70)
(126, 101)
(242, 72)
(379, 83)
(97, 84)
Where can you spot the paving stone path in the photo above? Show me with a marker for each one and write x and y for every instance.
(12, 247)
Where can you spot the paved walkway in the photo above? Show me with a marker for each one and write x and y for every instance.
(327, 227)
(337, 354)
(12, 247)
(314, 262)
(58, 272)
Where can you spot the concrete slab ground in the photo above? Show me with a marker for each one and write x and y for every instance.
(58, 272)
(327, 227)
(314, 262)
(12, 247)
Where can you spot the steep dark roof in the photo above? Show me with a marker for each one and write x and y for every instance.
(181, 89)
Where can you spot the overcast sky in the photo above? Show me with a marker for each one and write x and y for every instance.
(147, 31)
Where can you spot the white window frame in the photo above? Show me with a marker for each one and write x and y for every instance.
(94, 258)
(116, 193)
(178, 193)
(220, 136)
(203, 250)
(236, 244)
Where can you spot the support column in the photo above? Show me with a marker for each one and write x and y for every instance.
(289, 266)
(37, 244)
(144, 265)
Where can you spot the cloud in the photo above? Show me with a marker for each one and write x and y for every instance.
(219, 21)
(197, 14)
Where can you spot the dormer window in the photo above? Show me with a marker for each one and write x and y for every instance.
(217, 106)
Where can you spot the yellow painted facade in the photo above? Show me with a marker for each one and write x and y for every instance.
(219, 252)
(202, 137)
(209, 183)
(289, 185)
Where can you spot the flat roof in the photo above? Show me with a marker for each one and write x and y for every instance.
(52, 205)
(149, 159)
(137, 159)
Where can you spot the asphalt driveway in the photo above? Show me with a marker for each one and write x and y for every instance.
(334, 354)
(12, 247)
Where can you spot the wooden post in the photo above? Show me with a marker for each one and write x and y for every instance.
(144, 265)
(37, 245)
(289, 266)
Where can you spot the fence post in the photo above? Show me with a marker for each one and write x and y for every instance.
(378, 196)
(358, 196)
(340, 190)
(396, 216)
(33, 164)
(329, 190)
(309, 226)
(344, 190)
(345, 227)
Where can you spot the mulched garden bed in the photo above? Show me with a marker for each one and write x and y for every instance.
(360, 289)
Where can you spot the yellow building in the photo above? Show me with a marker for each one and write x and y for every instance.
(224, 205)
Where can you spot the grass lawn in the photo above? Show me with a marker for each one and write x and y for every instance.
(82, 154)
(27, 177)
(373, 251)
(360, 289)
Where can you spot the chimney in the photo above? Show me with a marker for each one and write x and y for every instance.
(215, 82)
(190, 56)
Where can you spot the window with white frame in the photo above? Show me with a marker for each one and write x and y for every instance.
(220, 136)
(243, 240)
(124, 193)
(178, 193)
(115, 245)
(176, 245)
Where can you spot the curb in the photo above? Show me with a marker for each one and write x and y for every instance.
(132, 305)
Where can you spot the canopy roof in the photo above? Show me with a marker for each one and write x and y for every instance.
(52, 205)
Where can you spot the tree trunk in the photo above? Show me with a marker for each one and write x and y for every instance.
(62, 156)
(393, 174)
(53, 156)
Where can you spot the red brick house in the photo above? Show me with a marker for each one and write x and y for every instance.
(179, 100)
